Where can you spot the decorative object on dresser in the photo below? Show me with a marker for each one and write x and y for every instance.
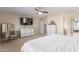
(7, 32)
(26, 31)
(51, 28)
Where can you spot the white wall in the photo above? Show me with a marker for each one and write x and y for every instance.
(14, 19)
(10, 18)
(58, 18)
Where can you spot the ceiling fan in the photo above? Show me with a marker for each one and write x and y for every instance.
(40, 11)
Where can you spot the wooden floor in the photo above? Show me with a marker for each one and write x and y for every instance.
(15, 45)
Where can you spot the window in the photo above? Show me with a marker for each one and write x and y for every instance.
(76, 25)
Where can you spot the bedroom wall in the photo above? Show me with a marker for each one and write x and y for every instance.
(67, 21)
(10, 18)
(14, 19)
(58, 18)
(63, 21)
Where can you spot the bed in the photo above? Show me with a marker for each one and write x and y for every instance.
(52, 43)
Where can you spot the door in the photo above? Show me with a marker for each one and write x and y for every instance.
(43, 26)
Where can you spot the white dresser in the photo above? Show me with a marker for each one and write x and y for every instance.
(51, 29)
(26, 31)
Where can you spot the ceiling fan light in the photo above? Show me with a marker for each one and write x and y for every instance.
(39, 13)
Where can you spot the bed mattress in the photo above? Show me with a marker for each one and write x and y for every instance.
(52, 43)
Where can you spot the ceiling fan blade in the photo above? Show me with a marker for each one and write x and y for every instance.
(44, 11)
(39, 11)
(36, 9)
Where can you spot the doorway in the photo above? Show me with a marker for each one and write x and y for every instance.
(43, 26)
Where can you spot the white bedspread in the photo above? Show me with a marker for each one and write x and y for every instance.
(52, 43)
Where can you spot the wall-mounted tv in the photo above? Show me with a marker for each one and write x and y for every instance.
(26, 21)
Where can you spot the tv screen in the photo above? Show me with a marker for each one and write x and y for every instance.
(26, 21)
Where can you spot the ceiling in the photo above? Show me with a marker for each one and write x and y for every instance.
(29, 11)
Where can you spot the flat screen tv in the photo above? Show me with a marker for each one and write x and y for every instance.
(26, 21)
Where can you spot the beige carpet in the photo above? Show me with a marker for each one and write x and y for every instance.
(15, 45)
